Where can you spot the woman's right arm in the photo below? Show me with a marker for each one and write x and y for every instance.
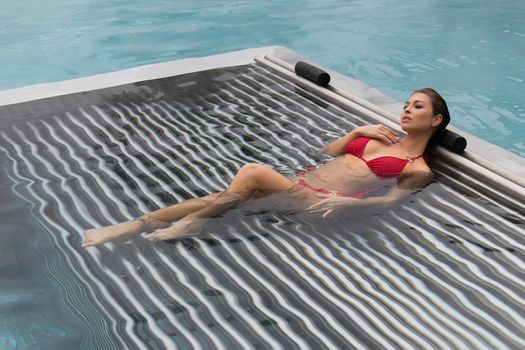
(377, 131)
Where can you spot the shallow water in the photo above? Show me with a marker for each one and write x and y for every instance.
(442, 269)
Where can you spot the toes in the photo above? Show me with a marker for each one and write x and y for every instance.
(152, 236)
(89, 243)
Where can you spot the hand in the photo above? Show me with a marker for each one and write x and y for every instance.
(378, 131)
(329, 204)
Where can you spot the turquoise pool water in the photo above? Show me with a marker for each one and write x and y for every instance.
(470, 51)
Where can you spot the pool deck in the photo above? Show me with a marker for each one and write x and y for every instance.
(498, 156)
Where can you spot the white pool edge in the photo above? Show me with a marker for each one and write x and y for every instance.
(476, 146)
(131, 75)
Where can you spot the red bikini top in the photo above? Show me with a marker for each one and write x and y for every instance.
(384, 167)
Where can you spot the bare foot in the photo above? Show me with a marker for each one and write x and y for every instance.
(179, 229)
(103, 234)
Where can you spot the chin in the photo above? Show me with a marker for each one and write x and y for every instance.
(409, 129)
(406, 128)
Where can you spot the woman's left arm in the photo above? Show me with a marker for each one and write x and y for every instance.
(406, 184)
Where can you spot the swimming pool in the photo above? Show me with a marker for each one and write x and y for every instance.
(470, 51)
(442, 269)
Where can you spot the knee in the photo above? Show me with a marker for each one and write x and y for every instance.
(247, 177)
(250, 168)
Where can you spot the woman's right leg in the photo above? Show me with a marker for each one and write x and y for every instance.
(179, 210)
(152, 221)
(252, 179)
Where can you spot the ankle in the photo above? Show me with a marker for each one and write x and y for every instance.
(148, 223)
(140, 223)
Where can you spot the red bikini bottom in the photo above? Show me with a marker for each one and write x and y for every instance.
(359, 194)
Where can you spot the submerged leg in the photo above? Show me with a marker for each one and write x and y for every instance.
(192, 223)
(157, 219)
(251, 179)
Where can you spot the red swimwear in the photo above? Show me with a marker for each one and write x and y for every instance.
(384, 167)
(360, 194)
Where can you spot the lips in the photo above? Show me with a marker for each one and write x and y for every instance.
(406, 119)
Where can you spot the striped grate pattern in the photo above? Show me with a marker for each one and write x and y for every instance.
(444, 269)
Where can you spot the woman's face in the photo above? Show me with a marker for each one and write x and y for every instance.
(417, 115)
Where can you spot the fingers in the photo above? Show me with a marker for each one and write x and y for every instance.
(321, 207)
(321, 210)
(386, 134)
(315, 208)
(380, 132)
(318, 204)
(327, 212)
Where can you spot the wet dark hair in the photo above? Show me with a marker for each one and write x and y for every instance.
(439, 106)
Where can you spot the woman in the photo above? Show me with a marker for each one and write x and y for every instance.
(364, 156)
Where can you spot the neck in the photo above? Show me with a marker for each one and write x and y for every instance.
(415, 144)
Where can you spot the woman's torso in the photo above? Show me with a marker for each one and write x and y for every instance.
(346, 174)
(365, 163)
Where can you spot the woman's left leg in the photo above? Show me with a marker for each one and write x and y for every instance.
(252, 179)
(154, 220)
